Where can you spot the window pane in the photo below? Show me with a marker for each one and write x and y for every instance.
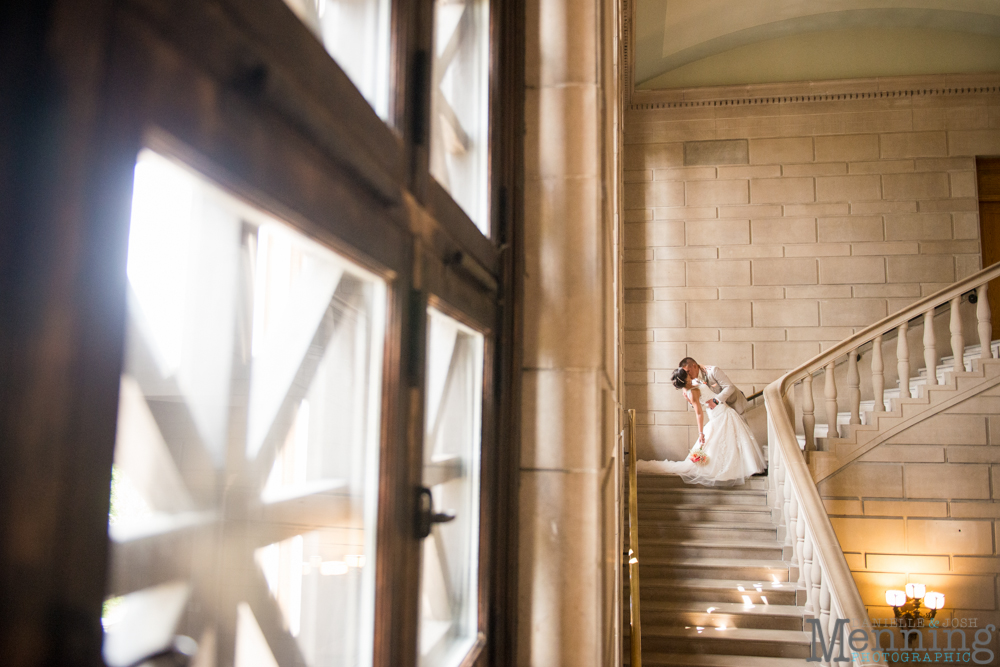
(356, 34)
(449, 618)
(243, 502)
(459, 104)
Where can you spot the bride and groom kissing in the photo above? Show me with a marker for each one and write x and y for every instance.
(726, 452)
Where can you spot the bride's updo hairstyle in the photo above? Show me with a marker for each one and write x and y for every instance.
(679, 378)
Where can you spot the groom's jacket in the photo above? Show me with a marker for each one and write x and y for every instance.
(723, 387)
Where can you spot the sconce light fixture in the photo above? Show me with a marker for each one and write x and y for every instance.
(910, 605)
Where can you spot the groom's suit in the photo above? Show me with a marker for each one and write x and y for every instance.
(723, 387)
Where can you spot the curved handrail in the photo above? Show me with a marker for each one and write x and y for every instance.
(795, 483)
(826, 546)
(635, 633)
(887, 324)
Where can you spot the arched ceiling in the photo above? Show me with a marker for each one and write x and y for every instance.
(688, 43)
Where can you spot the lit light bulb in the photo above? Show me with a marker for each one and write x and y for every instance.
(934, 600)
(915, 590)
(895, 598)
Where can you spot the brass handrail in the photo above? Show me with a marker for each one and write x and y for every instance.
(635, 637)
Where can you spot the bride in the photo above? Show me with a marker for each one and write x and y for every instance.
(732, 453)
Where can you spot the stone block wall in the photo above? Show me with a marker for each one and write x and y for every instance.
(925, 507)
(569, 528)
(758, 234)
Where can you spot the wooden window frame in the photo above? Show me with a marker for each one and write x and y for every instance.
(246, 95)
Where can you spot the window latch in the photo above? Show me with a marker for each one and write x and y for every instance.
(426, 517)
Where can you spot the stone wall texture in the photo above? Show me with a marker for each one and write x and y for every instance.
(569, 527)
(924, 507)
(805, 222)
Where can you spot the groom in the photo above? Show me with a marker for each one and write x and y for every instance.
(718, 382)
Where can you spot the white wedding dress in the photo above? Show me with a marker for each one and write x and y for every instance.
(733, 452)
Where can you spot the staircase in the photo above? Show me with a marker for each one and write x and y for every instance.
(943, 373)
(929, 400)
(716, 588)
(730, 575)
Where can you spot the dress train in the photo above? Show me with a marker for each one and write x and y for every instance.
(733, 452)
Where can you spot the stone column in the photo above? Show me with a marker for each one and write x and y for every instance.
(568, 519)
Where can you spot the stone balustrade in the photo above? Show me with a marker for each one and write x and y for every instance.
(831, 594)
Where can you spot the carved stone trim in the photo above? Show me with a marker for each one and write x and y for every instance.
(828, 97)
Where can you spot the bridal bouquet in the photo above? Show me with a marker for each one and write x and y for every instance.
(699, 456)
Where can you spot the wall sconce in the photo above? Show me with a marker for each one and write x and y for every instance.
(907, 605)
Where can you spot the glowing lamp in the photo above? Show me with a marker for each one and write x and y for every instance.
(934, 600)
(914, 606)
(895, 598)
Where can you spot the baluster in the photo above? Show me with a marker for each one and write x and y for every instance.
(800, 548)
(824, 601)
(791, 517)
(808, 565)
(827, 617)
(779, 470)
(930, 348)
(830, 390)
(808, 413)
(903, 360)
(878, 374)
(985, 323)
(815, 583)
(854, 386)
(957, 339)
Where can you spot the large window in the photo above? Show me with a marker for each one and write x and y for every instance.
(243, 505)
(460, 104)
(215, 304)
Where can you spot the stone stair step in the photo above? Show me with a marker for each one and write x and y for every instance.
(712, 568)
(695, 496)
(649, 481)
(657, 613)
(705, 513)
(720, 590)
(711, 549)
(715, 529)
(730, 641)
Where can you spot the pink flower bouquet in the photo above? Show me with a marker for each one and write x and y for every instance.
(699, 456)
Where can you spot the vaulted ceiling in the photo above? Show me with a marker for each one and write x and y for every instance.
(690, 43)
